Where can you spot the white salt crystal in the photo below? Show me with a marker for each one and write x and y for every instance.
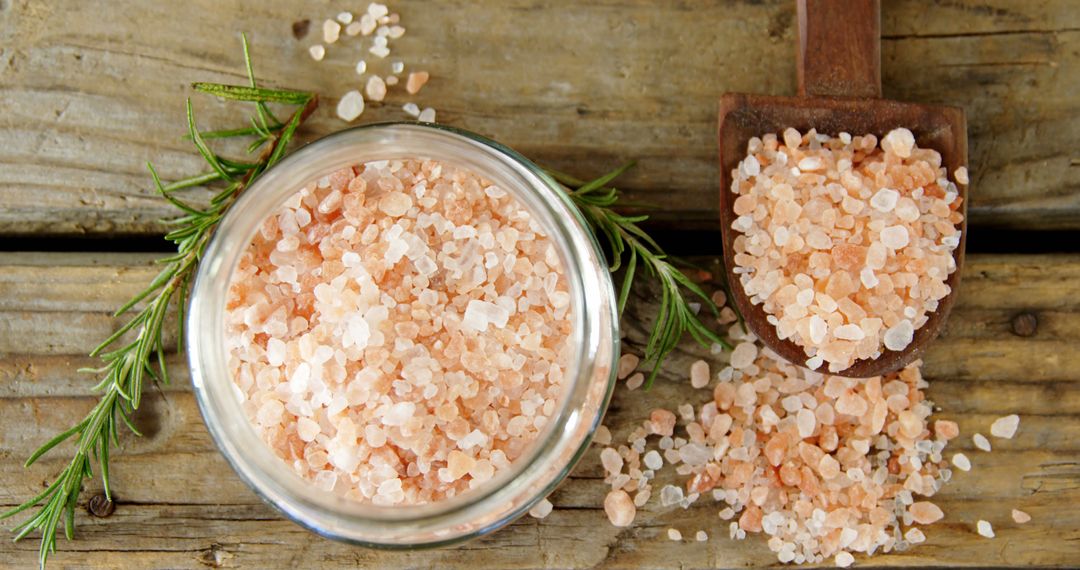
(818, 329)
(394, 33)
(743, 355)
(984, 529)
(914, 536)
(961, 462)
(377, 10)
(611, 461)
(478, 314)
(849, 332)
(674, 534)
(317, 51)
(399, 413)
(699, 374)
(361, 67)
(345, 18)
(751, 166)
(411, 109)
(375, 88)
(895, 237)
(653, 460)
(541, 509)
(1005, 427)
(867, 278)
(805, 297)
(275, 351)
(380, 51)
(899, 142)
(298, 382)
(351, 106)
(354, 29)
(427, 115)
(326, 480)
(701, 536)
(670, 495)
(844, 559)
(806, 422)
(961, 175)
(810, 163)
(898, 336)
(885, 200)
(331, 30)
(981, 442)
(307, 429)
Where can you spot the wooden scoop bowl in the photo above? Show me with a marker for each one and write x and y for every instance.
(839, 91)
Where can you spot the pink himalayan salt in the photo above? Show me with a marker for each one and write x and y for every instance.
(620, 508)
(925, 512)
(416, 80)
(347, 339)
(1020, 516)
(541, 509)
(853, 237)
(627, 364)
(662, 422)
(699, 374)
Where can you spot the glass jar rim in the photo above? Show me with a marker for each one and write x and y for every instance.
(263, 470)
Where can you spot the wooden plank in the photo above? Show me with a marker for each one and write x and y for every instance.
(180, 505)
(91, 93)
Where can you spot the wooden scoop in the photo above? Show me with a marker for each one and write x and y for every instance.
(839, 91)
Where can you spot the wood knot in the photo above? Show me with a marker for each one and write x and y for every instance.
(300, 29)
(1025, 324)
(100, 506)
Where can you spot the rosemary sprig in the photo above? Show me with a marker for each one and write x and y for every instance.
(127, 364)
(626, 240)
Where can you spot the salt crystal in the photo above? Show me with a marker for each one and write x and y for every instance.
(981, 442)
(849, 332)
(925, 512)
(984, 529)
(699, 374)
(635, 381)
(653, 460)
(354, 28)
(394, 33)
(611, 460)
(674, 534)
(1020, 517)
(351, 106)
(914, 536)
(427, 115)
(619, 508)
(898, 336)
(416, 80)
(541, 509)
(627, 364)
(961, 175)
(1005, 427)
(331, 31)
(380, 51)
(318, 52)
(375, 88)
(895, 237)
(961, 462)
(701, 536)
(361, 67)
(818, 329)
(844, 559)
(377, 10)
(743, 355)
(884, 200)
(899, 142)
(345, 17)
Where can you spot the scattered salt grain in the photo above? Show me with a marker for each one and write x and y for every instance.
(961, 462)
(635, 381)
(391, 81)
(427, 115)
(701, 536)
(699, 374)
(354, 28)
(627, 364)
(1020, 517)
(331, 31)
(619, 508)
(844, 559)
(350, 106)
(984, 529)
(602, 436)
(981, 442)
(317, 51)
(361, 67)
(674, 534)
(375, 88)
(411, 109)
(379, 50)
(416, 81)
(961, 175)
(345, 18)
(541, 509)
(1005, 427)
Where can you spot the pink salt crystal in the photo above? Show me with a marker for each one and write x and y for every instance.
(541, 509)
(898, 336)
(627, 364)
(844, 559)
(635, 381)
(699, 374)
(946, 429)
(961, 175)
(307, 429)
(1020, 516)
(602, 436)
(416, 80)
(620, 508)
(662, 422)
(899, 142)
(743, 355)
(925, 512)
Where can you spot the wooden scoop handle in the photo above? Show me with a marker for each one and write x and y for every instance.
(840, 48)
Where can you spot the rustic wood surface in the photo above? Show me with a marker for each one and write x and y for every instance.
(90, 91)
(180, 505)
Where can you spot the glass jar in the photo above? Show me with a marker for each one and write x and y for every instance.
(534, 474)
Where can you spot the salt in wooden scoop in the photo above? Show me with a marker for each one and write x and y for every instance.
(839, 73)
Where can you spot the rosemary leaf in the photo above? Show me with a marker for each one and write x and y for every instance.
(624, 237)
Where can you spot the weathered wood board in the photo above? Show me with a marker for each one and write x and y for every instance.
(180, 506)
(90, 91)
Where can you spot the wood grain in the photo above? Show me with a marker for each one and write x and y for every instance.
(92, 92)
(180, 506)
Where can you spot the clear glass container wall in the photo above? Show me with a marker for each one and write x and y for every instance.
(534, 474)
